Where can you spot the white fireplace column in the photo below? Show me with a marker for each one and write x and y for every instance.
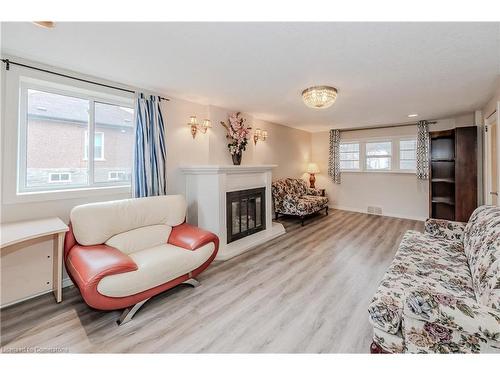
(206, 188)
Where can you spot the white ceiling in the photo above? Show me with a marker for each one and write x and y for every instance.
(383, 71)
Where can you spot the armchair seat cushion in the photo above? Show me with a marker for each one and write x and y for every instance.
(155, 266)
(310, 203)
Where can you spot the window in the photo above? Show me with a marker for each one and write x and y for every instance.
(378, 155)
(349, 156)
(61, 138)
(408, 154)
(59, 177)
(98, 146)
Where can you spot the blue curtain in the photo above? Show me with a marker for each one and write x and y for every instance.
(150, 152)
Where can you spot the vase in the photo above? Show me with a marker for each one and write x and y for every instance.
(237, 158)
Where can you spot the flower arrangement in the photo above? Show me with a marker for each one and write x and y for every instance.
(238, 134)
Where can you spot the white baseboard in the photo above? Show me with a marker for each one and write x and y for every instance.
(399, 216)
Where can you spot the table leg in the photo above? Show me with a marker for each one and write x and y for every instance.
(57, 267)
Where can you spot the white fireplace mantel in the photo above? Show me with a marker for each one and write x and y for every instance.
(206, 188)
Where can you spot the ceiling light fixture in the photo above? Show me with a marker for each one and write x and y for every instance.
(45, 24)
(319, 96)
(413, 115)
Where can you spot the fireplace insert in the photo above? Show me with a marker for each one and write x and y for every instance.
(245, 213)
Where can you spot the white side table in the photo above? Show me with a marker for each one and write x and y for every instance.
(13, 233)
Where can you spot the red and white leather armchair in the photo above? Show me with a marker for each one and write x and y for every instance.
(121, 253)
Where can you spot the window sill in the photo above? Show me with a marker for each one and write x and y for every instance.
(66, 194)
(380, 172)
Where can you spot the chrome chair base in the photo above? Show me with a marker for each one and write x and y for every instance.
(192, 281)
(129, 312)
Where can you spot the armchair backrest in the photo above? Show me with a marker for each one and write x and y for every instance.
(96, 223)
(292, 186)
(482, 247)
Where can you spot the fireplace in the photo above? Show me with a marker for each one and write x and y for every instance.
(245, 213)
(209, 188)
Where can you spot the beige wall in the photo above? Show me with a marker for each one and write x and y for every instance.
(491, 106)
(399, 194)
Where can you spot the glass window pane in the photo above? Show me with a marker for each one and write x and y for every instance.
(378, 148)
(349, 147)
(349, 164)
(114, 143)
(378, 163)
(407, 154)
(408, 144)
(349, 156)
(55, 139)
(408, 164)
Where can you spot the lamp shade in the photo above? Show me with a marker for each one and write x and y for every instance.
(312, 168)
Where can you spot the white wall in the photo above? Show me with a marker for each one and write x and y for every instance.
(287, 147)
(398, 194)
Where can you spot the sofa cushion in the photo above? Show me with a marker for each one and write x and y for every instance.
(482, 247)
(155, 266)
(95, 223)
(140, 238)
(310, 203)
(421, 260)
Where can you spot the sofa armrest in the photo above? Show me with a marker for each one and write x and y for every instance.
(191, 238)
(313, 191)
(449, 230)
(89, 264)
(464, 315)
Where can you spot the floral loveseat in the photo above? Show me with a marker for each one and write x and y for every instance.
(291, 196)
(441, 293)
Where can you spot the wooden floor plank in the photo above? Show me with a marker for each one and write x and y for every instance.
(306, 291)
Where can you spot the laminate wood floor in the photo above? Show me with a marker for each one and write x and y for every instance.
(306, 291)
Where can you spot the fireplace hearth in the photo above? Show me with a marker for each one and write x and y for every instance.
(245, 213)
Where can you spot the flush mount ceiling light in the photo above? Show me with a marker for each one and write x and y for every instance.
(319, 96)
(413, 115)
(45, 24)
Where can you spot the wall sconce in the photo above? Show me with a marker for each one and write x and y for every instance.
(193, 123)
(259, 135)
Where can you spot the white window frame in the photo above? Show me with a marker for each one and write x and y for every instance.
(86, 146)
(21, 80)
(399, 153)
(395, 167)
(359, 157)
(378, 156)
(59, 181)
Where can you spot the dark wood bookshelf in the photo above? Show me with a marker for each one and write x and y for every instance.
(445, 200)
(445, 180)
(453, 173)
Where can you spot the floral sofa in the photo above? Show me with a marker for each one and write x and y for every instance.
(441, 294)
(291, 196)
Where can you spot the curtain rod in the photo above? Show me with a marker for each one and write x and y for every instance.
(8, 63)
(385, 126)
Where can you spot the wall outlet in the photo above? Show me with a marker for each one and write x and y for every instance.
(374, 210)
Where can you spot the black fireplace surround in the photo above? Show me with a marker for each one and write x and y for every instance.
(245, 213)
